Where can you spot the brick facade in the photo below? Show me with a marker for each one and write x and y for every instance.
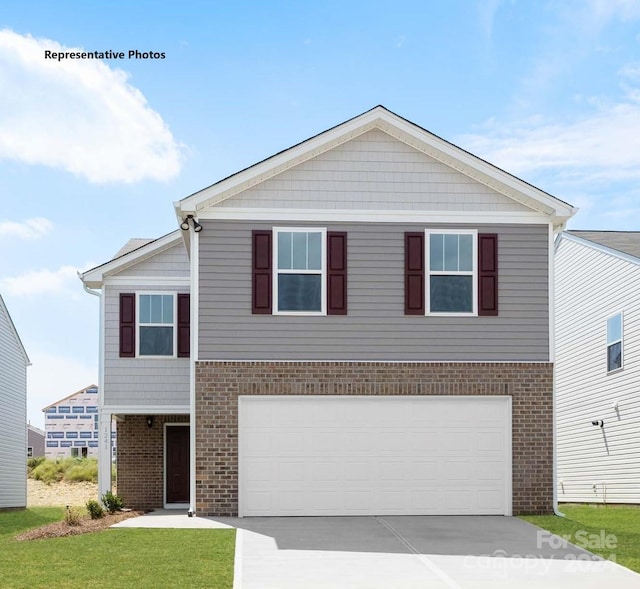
(140, 456)
(218, 385)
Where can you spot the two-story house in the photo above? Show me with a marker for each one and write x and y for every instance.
(360, 324)
(598, 366)
(35, 441)
(13, 414)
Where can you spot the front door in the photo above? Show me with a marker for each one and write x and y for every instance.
(177, 464)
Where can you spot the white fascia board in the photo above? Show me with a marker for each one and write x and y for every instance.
(151, 410)
(374, 216)
(597, 246)
(147, 281)
(403, 130)
(95, 277)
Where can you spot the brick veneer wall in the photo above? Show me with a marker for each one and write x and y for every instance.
(218, 385)
(140, 455)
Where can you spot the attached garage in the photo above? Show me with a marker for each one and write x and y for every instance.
(374, 455)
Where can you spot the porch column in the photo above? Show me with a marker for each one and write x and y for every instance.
(104, 453)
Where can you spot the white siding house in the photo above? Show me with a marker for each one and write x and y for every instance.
(598, 366)
(13, 414)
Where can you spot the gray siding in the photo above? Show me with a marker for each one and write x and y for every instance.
(13, 417)
(172, 262)
(376, 327)
(374, 172)
(136, 382)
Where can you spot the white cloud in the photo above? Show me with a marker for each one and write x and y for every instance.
(79, 115)
(604, 144)
(63, 281)
(52, 377)
(29, 229)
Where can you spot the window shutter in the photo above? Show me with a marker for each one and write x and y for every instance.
(261, 272)
(414, 269)
(487, 274)
(127, 325)
(184, 325)
(336, 273)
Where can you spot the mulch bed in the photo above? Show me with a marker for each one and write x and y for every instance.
(86, 526)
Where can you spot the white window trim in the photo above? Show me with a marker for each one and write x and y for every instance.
(473, 273)
(322, 271)
(621, 340)
(174, 325)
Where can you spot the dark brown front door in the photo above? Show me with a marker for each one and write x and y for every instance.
(177, 464)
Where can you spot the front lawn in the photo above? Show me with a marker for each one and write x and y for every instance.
(128, 558)
(603, 529)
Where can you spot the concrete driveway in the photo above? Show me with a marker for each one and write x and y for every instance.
(412, 552)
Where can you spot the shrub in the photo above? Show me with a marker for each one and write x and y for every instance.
(112, 502)
(73, 516)
(47, 472)
(85, 469)
(68, 469)
(95, 509)
(33, 462)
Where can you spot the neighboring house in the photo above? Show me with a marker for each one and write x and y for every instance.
(357, 325)
(13, 414)
(598, 366)
(71, 426)
(35, 442)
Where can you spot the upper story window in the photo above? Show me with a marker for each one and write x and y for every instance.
(156, 324)
(452, 271)
(300, 271)
(614, 342)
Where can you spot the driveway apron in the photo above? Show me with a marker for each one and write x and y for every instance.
(410, 552)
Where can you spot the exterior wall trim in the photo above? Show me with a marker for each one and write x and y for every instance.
(151, 410)
(373, 216)
(137, 281)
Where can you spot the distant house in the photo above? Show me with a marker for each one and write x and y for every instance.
(71, 425)
(598, 366)
(13, 414)
(35, 442)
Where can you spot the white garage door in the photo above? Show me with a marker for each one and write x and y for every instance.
(335, 455)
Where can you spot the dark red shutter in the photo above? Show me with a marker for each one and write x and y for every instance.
(184, 325)
(487, 274)
(127, 325)
(261, 272)
(336, 273)
(414, 273)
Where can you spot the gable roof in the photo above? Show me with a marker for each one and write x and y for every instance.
(142, 249)
(626, 242)
(13, 331)
(401, 129)
(91, 386)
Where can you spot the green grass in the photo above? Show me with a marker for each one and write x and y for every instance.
(128, 558)
(623, 521)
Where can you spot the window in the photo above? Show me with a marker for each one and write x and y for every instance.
(614, 342)
(156, 313)
(29, 452)
(451, 272)
(300, 278)
(79, 452)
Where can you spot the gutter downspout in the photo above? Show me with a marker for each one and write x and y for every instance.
(552, 358)
(104, 447)
(194, 308)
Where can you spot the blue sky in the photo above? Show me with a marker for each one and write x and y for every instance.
(95, 152)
